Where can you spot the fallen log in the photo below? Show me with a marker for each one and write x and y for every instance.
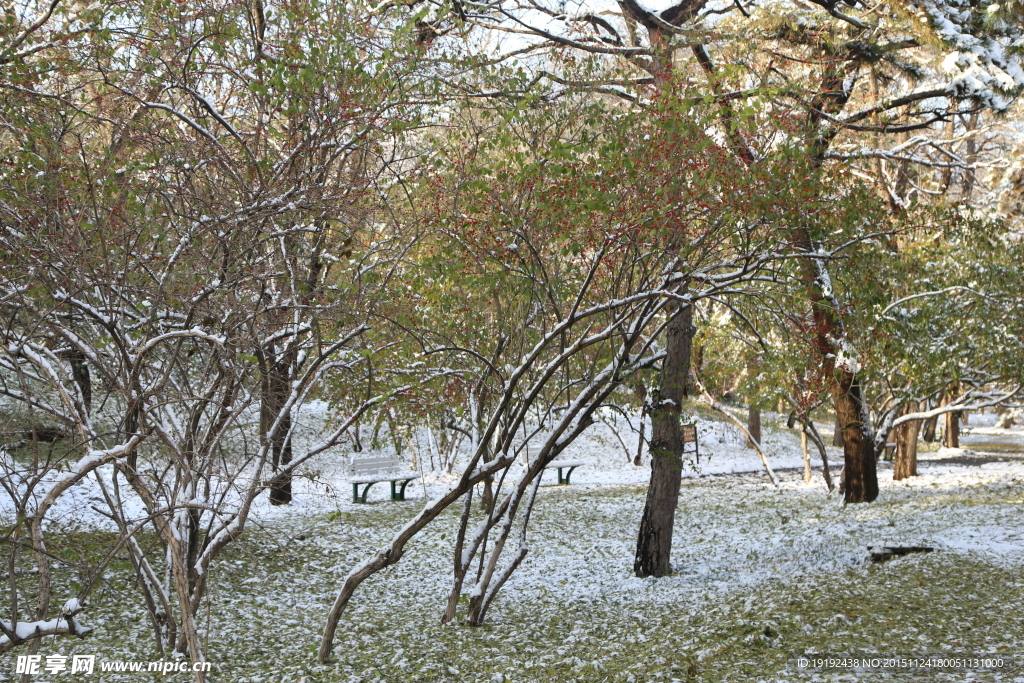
(890, 551)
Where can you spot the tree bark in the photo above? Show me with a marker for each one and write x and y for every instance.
(929, 428)
(754, 425)
(860, 483)
(861, 478)
(952, 432)
(275, 389)
(654, 544)
(807, 456)
(971, 157)
(904, 465)
(80, 374)
(837, 434)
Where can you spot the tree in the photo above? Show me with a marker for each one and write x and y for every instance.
(950, 274)
(572, 308)
(904, 463)
(189, 255)
(818, 57)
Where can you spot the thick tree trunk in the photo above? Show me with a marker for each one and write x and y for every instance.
(654, 544)
(861, 478)
(281, 486)
(904, 465)
(754, 425)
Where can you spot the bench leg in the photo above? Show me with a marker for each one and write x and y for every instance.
(567, 475)
(356, 498)
(398, 494)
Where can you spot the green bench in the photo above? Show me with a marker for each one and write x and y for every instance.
(560, 465)
(375, 469)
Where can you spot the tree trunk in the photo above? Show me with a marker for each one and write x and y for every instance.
(281, 486)
(951, 437)
(80, 374)
(861, 480)
(952, 430)
(971, 157)
(654, 544)
(807, 456)
(929, 428)
(839, 360)
(904, 465)
(754, 425)
(275, 389)
(640, 440)
(837, 434)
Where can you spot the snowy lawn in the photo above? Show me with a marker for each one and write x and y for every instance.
(762, 578)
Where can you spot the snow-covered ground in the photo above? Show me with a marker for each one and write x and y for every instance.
(608, 447)
(741, 545)
(744, 551)
(988, 455)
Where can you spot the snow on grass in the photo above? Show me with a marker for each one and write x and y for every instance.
(761, 577)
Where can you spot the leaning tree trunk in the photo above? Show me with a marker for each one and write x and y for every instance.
(904, 465)
(654, 545)
(860, 476)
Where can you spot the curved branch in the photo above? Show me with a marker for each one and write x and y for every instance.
(26, 631)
